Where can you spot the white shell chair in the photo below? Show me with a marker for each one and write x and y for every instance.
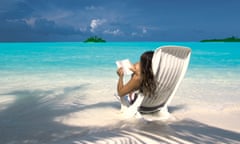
(169, 66)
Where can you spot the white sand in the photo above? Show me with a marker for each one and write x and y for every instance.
(71, 111)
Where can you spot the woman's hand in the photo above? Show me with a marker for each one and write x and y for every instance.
(120, 72)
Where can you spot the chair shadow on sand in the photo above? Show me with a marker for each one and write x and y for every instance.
(30, 119)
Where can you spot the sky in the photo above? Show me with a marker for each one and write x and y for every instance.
(118, 20)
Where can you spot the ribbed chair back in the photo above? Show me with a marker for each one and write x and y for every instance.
(169, 66)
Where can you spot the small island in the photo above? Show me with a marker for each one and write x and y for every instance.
(94, 39)
(229, 39)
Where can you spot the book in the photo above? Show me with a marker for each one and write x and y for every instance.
(126, 65)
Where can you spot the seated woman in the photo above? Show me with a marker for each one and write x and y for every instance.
(142, 79)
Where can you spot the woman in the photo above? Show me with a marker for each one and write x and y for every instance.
(142, 78)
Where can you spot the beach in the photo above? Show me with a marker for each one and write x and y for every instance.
(60, 93)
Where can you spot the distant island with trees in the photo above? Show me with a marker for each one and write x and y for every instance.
(94, 39)
(229, 39)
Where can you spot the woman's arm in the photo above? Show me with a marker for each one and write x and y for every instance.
(130, 86)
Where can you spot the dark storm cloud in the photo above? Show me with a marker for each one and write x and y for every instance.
(127, 20)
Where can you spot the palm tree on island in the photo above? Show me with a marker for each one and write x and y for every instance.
(94, 39)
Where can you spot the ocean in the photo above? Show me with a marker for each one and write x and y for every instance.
(73, 83)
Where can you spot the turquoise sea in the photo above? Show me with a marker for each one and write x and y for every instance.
(43, 58)
(60, 84)
(48, 63)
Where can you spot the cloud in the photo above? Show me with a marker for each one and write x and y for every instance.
(113, 32)
(37, 30)
(92, 8)
(133, 34)
(30, 21)
(95, 23)
(144, 30)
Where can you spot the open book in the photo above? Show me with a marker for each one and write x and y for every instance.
(126, 65)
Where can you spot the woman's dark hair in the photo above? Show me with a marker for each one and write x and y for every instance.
(148, 85)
